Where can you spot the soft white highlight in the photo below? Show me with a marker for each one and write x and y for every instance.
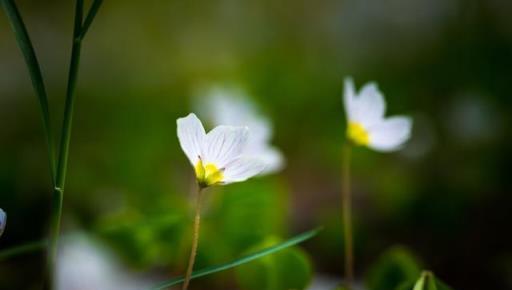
(83, 264)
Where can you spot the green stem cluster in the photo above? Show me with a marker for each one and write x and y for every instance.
(58, 167)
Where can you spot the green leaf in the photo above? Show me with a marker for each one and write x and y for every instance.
(25, 45)
(145, 240)
(245, 259)
(392, 269)
(426, 281)
(273, 272)
(244, 217)
(419, 285)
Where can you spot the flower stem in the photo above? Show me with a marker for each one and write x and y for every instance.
(195, 239)
(347, 216)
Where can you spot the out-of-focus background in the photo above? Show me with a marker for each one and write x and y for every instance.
(446, 198)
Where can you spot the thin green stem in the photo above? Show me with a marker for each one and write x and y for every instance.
(195, 239)
(70, 98)
(90, 17)
(27, 49)
(22, 249)
(55, 227)
(346, 200)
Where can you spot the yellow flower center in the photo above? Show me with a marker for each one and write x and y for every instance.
(358, 134)
(208, 174)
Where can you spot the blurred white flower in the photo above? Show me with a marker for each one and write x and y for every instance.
(83, 264)
(3, 221)
(218, 157)
(231, 106)
(367, 125)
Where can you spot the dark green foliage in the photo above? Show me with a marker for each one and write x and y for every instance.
(288, 269)
(393, 268)
(240, 261)
(427, 281)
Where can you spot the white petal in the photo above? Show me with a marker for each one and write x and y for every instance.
(223, 144)
(228, 106)
(273, 159)
(191, 135)
(349, 96)
(231, 106)
(390, 134)
(370, 105)
(242, 169)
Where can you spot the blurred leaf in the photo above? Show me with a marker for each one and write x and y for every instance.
(214, 269)
(273, 272)
(392, 269)
(235, 218)
(247, 213)
(145, 240)
(427, 281)
(422, 284)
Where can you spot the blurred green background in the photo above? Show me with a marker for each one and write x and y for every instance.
(446, 196)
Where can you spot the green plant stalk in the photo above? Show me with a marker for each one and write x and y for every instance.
(240, 261)
(346, 200)
(25, 45)
(195, 238)
(58, 193)
(79, 32)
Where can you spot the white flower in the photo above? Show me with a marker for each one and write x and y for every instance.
(3, 221)
(231, 106)
(218, 157)
(367, 125)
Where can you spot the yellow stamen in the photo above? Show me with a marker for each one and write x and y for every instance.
(208, 174)
(358, 134)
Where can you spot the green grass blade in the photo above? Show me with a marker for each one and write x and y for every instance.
(90, 17)
(22, 249)
(70, 98)
(245, 259)
(25, 45)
